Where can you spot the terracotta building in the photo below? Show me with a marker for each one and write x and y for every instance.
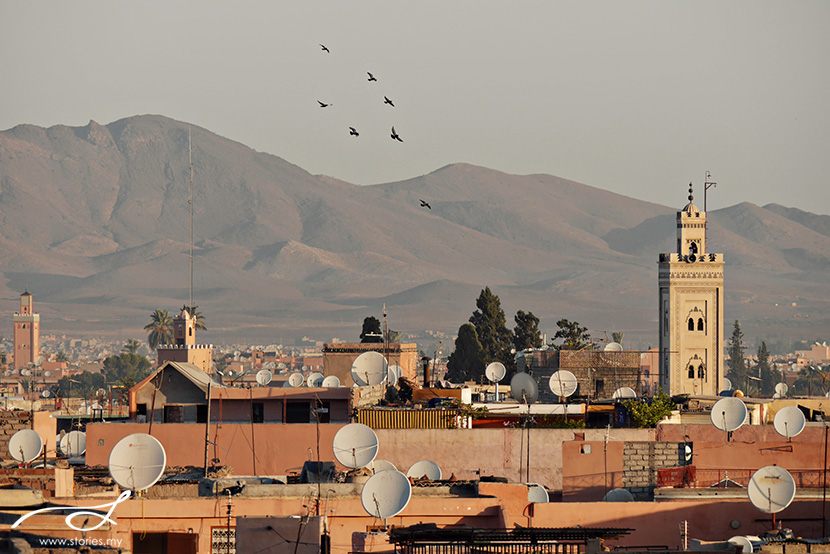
(338, 358)
(26, 333)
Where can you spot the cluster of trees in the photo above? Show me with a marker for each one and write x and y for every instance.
(121, 370)
(372, 332)
(486, 338)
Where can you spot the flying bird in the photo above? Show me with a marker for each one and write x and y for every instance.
(425, 204)
(371, 77)
(353, 132)
(326, 50)
(387, 101)
(395, 136)
(323, 104)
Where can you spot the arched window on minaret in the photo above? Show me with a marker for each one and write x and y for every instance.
(700, 324)
(691, 324)
(701, 372)
(691, 371)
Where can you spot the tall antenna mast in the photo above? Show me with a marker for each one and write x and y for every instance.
(190, 153)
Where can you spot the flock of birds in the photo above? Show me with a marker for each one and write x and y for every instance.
(354, 132)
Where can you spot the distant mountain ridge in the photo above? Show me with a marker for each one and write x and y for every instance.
(94, 221)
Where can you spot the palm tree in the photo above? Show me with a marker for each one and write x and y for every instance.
(159, 329)
(61, 357)
(197, 315)
(132, 346)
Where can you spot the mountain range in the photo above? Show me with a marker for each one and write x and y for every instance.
(95, 223)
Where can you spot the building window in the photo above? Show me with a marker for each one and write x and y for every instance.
(691, 372)
(201, 413)
(691, 324)
(173, 414)
(297, 412)
(258, 412)
(700, 324)
(141, 409)
(701, 372)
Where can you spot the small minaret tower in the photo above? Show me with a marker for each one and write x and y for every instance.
(26, 333)
(691, 310)
(184, 347)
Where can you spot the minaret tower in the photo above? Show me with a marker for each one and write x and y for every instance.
(184, 347)
(691, 310)
(26, 333)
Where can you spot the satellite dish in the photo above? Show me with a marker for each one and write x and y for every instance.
(73, 443)
(315, 380)
(618, 495)
(563, 383)
(25, 372)
(46, 394)
(381, 465)
(331, 382)
(728, 413)
(781, 389)
(771, 489)
(355, 445)
(523, 388)
(370, 368)
(537, 494)
(296, 379)
(613, 347)
(624, 392)
(495, 372)
(425, 468)
(137, 462)
(386, 494)
(789, 421)
(743, 542)
(263, 377)
(25, 445)
(394, 373)
(727, 384)
(47, 373)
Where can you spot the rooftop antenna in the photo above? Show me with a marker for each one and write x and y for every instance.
(771, 489)
(355, 445)
(386, 494)
(789, 422)
(25, 446)
(495, 372)
(190, 154)
(707, 184)
(424, 469)
(137, 462)
(728, 414)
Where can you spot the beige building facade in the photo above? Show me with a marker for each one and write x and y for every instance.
(691, 310)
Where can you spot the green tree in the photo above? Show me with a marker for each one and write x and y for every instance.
(617, 336)
(61, 357)
(197, 315)
(769, 377)
(526, 333)
(466, 363)
(131, 347)
(81, 385)
(159, 329)
(646, 413)
(574, 337)
(125, 369)
(491, 328)
(735, 362)
(371, 330)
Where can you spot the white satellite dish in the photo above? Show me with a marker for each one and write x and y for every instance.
(73, 443)
(315, 380)
(263, 377)
(613, 347)
(728, 413)
(743, 542)
(394, 373)
(781, 389)
(296, 379)
(25, 372)
(386, 494)
(25, 445)
(623, 393)
(618, 495)
(495, 372)
(789, 421)
(331, 382)
(424, 468)
(523, 388)
(46, 394)
(727, 384)
(370, 368)
(355, 445)
(47, 373)
(537, 494)
(137, 462)
(563, 383)
(381, 465)
(771, 489)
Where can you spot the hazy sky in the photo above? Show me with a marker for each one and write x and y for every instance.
(637, 97)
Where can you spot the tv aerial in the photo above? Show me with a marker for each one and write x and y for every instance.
(771, 489)
(424, 468)
(537, 494)
(495, 372)
(315, 380)
(563, 383)
(370, 368)
(331, 382)
(263, 377)
(25, 446)
(73, 443)
(618, 495)
(624, 393)
(728, 414)
(386, 494)
(137, 462)
(523, 389)
(789, 421)
(376, 466)
(296, 379)
(355, 445)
